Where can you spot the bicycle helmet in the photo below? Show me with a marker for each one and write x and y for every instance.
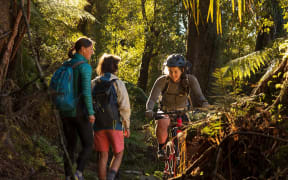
(175, 60)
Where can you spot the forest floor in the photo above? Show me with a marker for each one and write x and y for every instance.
(222, 145)
(139, 161)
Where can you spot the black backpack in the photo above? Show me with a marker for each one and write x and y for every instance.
(105, 104)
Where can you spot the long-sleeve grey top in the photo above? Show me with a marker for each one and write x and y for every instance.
(172, 99)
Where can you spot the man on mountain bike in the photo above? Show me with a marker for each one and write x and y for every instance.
(175, 89)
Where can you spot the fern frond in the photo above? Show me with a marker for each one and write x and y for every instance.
(222, 82)
(245, 66)
(221, 86)
(67, 11)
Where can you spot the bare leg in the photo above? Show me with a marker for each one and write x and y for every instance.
(115, 164)
(161, 130)
(116, 161)
(102, 165)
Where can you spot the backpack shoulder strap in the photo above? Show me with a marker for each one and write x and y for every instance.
(77, 64)
(113, 83)
(166, 85)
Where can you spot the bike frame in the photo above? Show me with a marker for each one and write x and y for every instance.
(175, 148)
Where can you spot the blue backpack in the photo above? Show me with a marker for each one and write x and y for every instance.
(62, 84)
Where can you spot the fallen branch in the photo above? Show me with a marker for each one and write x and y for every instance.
(229, 159)
(217, 163)
(252, 133)
(197, 161)
(263, 83)
(195, 164)
(282, 95)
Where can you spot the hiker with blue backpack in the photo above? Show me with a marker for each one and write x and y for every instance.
(112, 110)
(72, 83)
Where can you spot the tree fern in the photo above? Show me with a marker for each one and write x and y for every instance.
(237, 70)
(248, 65)
(220, 85)
(68, 12)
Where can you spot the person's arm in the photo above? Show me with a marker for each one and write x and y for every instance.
(196, 91)
(85, 71)
(155, 92)
(124, 105)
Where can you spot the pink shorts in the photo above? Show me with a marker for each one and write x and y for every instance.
(104, 138)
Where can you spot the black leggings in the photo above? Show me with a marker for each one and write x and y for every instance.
(81, 126)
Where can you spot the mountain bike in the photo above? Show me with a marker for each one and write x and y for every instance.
(175, 147)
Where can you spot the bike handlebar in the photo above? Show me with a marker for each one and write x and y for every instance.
(179, 112)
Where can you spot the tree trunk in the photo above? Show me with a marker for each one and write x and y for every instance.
(5, 24)
(150, 37)
(201, 47)
(7, 48)
(264, 38)
(146, 58)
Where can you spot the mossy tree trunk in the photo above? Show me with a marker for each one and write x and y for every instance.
(201, 46)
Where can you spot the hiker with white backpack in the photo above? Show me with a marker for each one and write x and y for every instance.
(72, 82)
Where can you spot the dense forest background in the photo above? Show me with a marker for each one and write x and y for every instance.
(238, 52)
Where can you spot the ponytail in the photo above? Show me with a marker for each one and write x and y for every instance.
(71, 52)
(81, 42)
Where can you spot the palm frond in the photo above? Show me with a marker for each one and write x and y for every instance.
(190, 6)
(240, 10)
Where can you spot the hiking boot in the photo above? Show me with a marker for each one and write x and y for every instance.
(161, 155)
(78, 176)
(111, 174)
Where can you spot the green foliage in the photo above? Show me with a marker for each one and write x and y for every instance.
(125, 33)
(233, 78)
(284, 6)
(30, 154)
(139, 153)
(137, 102)
(51, 152)
(25, 71)
(248, 65)
(54, 27)
(213, 128)
(67, 12)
